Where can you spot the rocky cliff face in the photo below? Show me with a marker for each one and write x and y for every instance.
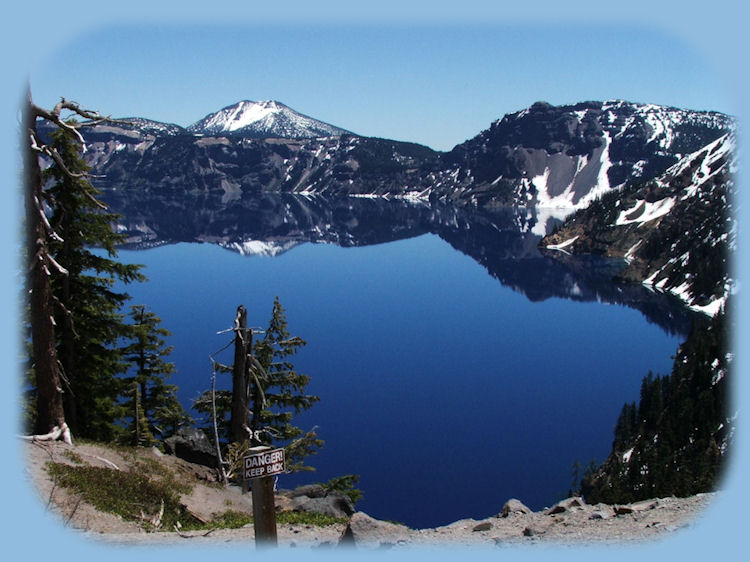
(224, 168)
(676, 232)
(566, 156)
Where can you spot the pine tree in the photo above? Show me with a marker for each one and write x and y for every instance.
(284, 390)
(279, 398)
(678, 441)
(47, 412)
(151, 404)
(87, 312)
(137, 432)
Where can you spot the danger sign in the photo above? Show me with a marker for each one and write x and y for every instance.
(265, 463)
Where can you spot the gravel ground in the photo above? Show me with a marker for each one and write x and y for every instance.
(570, 522)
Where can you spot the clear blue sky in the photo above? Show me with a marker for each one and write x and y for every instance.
(436, 84)
(426, 71)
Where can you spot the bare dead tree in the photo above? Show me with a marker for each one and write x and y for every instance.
(240, 383)
(217, 444)
(50, 421)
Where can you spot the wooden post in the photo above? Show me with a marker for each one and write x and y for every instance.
(264, 512)
(264, 507)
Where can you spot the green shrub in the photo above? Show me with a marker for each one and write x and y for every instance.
(129, 494)
(306, 518)
(231, 519)
(345, 485)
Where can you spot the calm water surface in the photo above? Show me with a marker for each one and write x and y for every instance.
(447, 392)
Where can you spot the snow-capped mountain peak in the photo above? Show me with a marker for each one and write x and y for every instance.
(241, 115)
(262, 119)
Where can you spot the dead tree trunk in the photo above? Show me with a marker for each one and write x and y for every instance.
(256, 394)
(240, 395)
(50, 413)
(136, 414)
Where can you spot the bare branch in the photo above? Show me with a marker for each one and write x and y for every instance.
(73, 512)
(75, 108)
(57, 266)
(67, 313)
(105, 461)
(184, 536)
(58, 432)
(52, 153)
(45, 222)
(54, 117)
(64, 378)
(224, 477)
(92, 198)
(37, 259)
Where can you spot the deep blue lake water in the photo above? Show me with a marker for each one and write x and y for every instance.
(445, 390)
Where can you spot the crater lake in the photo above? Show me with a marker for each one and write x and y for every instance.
(457, 365)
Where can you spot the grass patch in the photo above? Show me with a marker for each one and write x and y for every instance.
(125, 451)
(236, 519)
(306, 518)
(156, 470)
(231, 520)
(73, 456)
(125, 493)
(132, 494)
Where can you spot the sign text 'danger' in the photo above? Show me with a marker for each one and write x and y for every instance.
(266, 463)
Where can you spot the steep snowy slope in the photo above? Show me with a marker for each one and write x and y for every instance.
(676, 231)
(564, 157)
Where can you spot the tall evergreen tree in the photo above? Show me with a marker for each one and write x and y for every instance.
(87, 312)
(284, 390)
(150, 403)
(47, 413)
(51, 383)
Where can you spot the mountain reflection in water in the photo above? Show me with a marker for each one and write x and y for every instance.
(503, 240)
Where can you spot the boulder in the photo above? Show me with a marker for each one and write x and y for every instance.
(192, 445)
(334, 504)
(566, 505)
(645, 505)
(283, 503)
(309, 490)
(364, 530)
(514, 507)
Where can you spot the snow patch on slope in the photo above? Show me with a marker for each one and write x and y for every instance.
(562, 245)
(643, 211)
(243, 114)
(569, 199)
